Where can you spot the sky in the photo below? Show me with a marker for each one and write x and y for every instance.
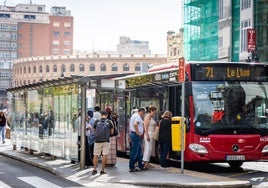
(98, 24)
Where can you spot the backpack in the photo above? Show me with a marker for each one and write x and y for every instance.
(102, 131)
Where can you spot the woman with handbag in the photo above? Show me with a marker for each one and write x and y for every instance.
(165, 137)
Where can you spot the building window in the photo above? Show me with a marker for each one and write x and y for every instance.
(67, 24)
(125, 67)
(174, 51)
(220, 42)
(47, 68)
(55, 51)
(29, 69)
(56, 34)
(2, 15)
(56, 24)
(40, 69)
(103, 67)
(55, 69)
(29, 17)
(55, 42)
(67, 34)
(63, 68)
(245, 25)
(72, 68)
(138, 67)
(66, 51)
(34, 69)
(81, 67)
(40, 9)
(91, 67)
(66, 43)
(245, 4)
(114, 67)
(24, 70)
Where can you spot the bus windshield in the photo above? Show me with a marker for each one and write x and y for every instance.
(230, 108)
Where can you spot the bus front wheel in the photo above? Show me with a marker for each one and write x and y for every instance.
(235, 164)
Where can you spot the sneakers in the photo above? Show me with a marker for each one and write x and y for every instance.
(136, 170)
(94, 172)
(4, 142)
(164, 167)
(132, 170)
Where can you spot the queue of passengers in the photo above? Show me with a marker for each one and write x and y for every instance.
(142, 126)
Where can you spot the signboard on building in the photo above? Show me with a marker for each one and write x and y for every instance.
(181, 77)
(251, 39)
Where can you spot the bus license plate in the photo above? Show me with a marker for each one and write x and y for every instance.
(235, 157)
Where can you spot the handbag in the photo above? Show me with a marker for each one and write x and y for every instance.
(156, 133)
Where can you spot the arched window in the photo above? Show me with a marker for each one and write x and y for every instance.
(137, 67)
(81, 67)
(63, 68)
(34, 69)
(103, 67)
(24, 70)
(114, 67)
(40, 69)
(55, 68)
(125, 67)
(29, 69)
(47, 68)
(175, 51)
(72, 68)
(91, 67)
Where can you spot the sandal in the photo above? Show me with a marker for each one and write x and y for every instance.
(94, 172)
(150, 166)
(102, 172)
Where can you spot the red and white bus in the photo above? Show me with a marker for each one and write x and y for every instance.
(226, 109)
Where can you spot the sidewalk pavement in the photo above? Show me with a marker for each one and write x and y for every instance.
(119, 176)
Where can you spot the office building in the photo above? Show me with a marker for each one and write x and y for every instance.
(27, 30)
(136, 47)
(227, 30)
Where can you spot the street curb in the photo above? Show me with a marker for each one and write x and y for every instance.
(222, 184)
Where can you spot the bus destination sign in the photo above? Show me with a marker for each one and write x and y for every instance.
(239, 72)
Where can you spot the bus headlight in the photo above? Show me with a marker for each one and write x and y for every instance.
(265, 149)
(197, 148)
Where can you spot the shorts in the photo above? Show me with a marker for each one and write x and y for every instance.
(101, 147)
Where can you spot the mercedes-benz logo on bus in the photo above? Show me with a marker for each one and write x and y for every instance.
(235, 147)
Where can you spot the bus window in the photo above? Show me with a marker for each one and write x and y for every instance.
(226, 105)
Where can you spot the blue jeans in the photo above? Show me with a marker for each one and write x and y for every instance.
(164, 149)
(136, 151)
(2, 132)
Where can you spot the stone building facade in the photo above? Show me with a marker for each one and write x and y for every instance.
(36, 69)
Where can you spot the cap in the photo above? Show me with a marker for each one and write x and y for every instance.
(90, 113)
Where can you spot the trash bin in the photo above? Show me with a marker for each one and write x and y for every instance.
(176, 133)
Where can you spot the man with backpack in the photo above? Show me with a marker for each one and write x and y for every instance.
(103, 129)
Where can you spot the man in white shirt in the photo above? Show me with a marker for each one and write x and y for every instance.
(136, 132)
